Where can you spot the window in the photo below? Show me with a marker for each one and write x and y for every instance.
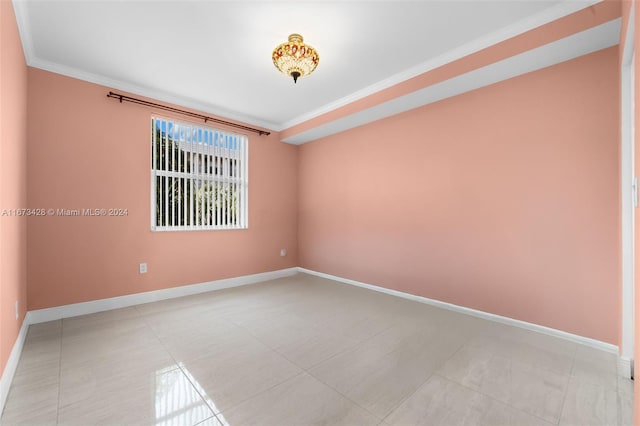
(198, 177)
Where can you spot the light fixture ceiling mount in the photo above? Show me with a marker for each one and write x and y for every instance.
(295, 58)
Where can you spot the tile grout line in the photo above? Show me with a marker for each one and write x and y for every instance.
(298, 374)
(403, 400)
(479, 391)
(566, 391)
(205, 398)
(346, 397)
(144, 318)
(382, 419)
(290, 360)
(303, 371)
(272, 350)
(508, 403)
(307, 370)
(435, 372)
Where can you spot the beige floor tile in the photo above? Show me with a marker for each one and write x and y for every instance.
(443, 402)
(162, 398)
(211, 421)
(536, 358)
(83, 321)
(39, 361)
(126, 346)
(106, 359)
(495, 344)
(587, 404)
(194, 303)
(106, 336)
(626, 409)
(537, 340)
(299, 401)
(298, 340)
(180, 321)
(35, 352)
(91, 378)
(42, 345)
(44, 330)
(389, 367)
(237, 371)
(177, 401)
(31, 403)
(268, 298)
(33, 397)
(43, 415)
(534, 350)
(480, 369)
(241, 353)
(625, 385)
(595, 367)
(352, 320)
(196, 339)
(537, 392)
(44, 372)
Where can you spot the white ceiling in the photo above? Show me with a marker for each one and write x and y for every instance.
(216, 56)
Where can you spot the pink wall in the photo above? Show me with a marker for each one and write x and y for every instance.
(504, 199)
(13, 176)
(88, 151)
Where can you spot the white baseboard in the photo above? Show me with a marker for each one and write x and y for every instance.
(12, 363)
(624, 367)
(608, 347)
(76, 309)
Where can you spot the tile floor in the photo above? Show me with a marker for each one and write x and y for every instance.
(305, 350)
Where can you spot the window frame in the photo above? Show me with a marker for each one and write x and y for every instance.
(212, 153)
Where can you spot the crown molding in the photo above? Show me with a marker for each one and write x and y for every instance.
(34, 61)
(582, 43)
(552, 14)
(159, 95)
(561, 10)
(24, 28)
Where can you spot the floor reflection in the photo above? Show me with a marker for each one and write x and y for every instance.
(221, 420)
(179, 398)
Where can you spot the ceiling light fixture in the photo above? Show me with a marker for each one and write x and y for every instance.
(295, 58)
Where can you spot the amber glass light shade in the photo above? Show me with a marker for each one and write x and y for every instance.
(295, 58)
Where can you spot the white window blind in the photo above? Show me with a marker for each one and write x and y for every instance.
(198, 177)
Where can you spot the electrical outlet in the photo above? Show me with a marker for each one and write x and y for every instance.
(143, 268)
(17, 310)
(283, 252)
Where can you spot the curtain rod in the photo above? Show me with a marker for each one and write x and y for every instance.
(183, 112)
